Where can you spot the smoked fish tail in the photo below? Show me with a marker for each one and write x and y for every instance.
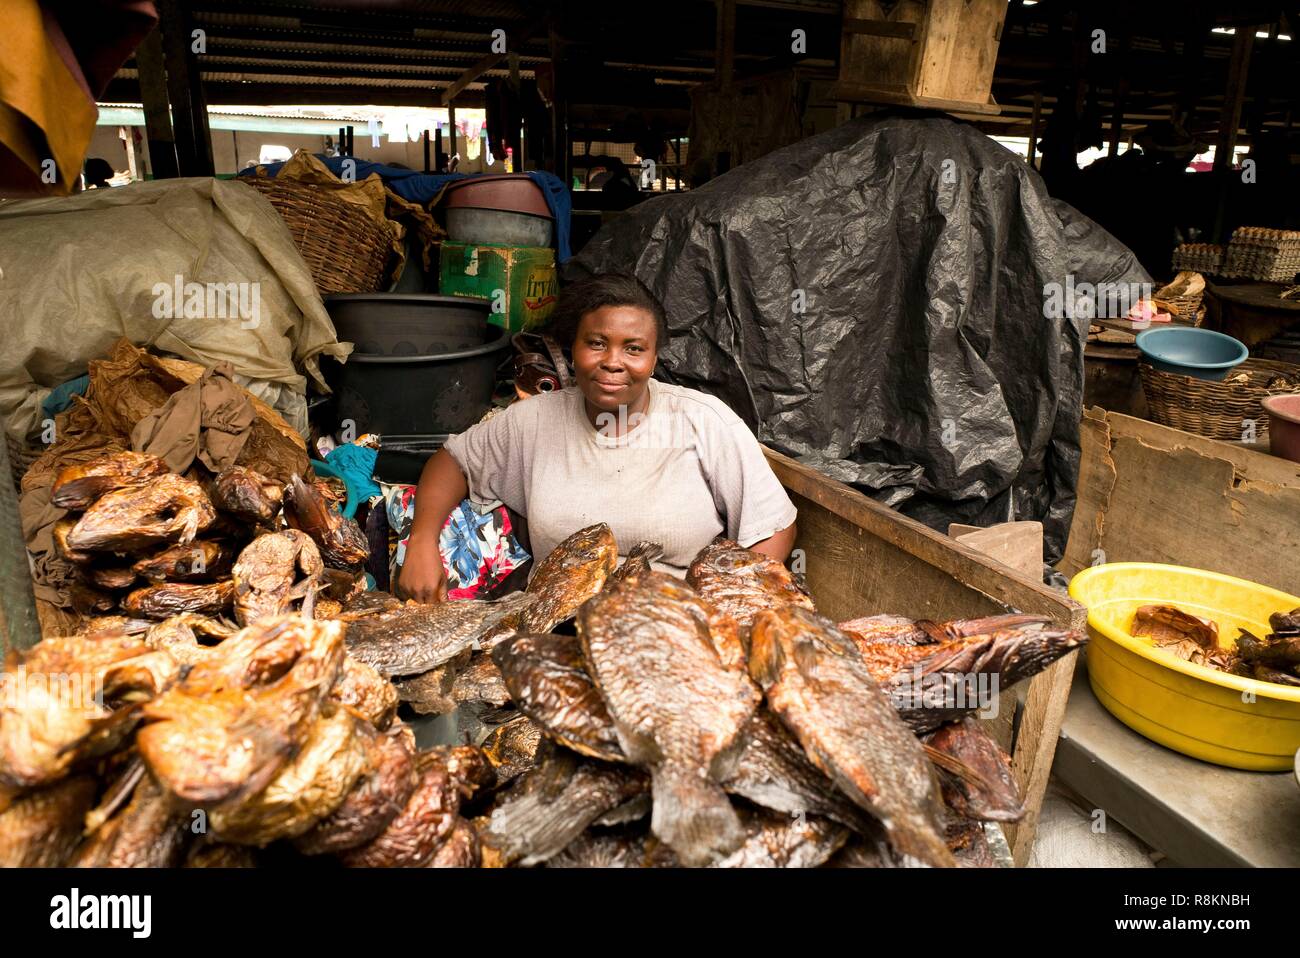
(693, 815)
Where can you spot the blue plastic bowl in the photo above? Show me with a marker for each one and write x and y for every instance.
(1189, 351)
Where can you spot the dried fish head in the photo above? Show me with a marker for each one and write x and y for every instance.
(247, 495)
(166, 509)
(273, 572)
(57, 702)
(228, 727)
(309, 787)
(736, 584)
(575, 570)
(341, 542)
(78, 486)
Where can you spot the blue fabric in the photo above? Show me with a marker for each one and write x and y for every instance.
(355, 465)
(60, 397)
(423, 187)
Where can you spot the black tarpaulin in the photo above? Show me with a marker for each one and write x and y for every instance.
(871, 300)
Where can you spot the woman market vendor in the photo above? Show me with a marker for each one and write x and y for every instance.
(655, 461)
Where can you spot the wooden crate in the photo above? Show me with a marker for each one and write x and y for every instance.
(937, 54)
(1149, 493)
(863, 558)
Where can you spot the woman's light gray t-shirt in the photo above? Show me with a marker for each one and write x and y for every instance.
(687, 472)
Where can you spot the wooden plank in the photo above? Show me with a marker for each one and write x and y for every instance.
(871, 93)
(1005, 587)
(862, 557)
(1015, 544)
(1251, 464)
(1148, 493)
(481, 66)
(157, 112)
(902, 30)
(876, 60)
(961, 49)
(853, 572)
(1046, 699)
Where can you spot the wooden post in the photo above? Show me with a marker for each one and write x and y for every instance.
(185, 90)
(560, 110)
(1193, 55)
(127, 135)
(725, 67)
(425, 140)
(1233, 96)
(1243, 41)
(513, 138)
(451, 134)
(1120, 92)
(1033, 128)
(157, 112)
(1265, 71)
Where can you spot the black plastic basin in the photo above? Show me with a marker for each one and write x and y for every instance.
(421, 364)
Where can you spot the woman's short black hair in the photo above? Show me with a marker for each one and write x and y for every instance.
(606, 289)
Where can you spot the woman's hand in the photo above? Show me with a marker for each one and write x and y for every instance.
(442, 487)
(422, 577)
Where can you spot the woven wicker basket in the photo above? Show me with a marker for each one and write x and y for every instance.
(346, 250)
(1215, 410)
(21, 457)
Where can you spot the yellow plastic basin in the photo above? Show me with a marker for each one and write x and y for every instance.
(1193, 709)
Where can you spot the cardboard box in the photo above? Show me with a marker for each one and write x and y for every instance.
(519, 281)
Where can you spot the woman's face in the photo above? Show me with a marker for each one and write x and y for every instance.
(614, 357)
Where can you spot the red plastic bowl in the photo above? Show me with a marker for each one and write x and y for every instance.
(1284, 425)
(511, 192)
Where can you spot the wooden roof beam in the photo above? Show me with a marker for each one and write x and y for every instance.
(488, 61)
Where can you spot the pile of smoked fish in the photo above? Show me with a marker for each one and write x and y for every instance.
(716, 721)
(1274, 658)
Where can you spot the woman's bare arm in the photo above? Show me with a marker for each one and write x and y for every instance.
(778, 546)
(441, 489)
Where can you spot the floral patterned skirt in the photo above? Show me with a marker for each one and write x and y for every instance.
(479, 549)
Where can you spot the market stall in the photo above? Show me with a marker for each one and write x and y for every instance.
(837, 472)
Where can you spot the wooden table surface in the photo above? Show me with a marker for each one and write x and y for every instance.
(1198, 814)
(1254, 295)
